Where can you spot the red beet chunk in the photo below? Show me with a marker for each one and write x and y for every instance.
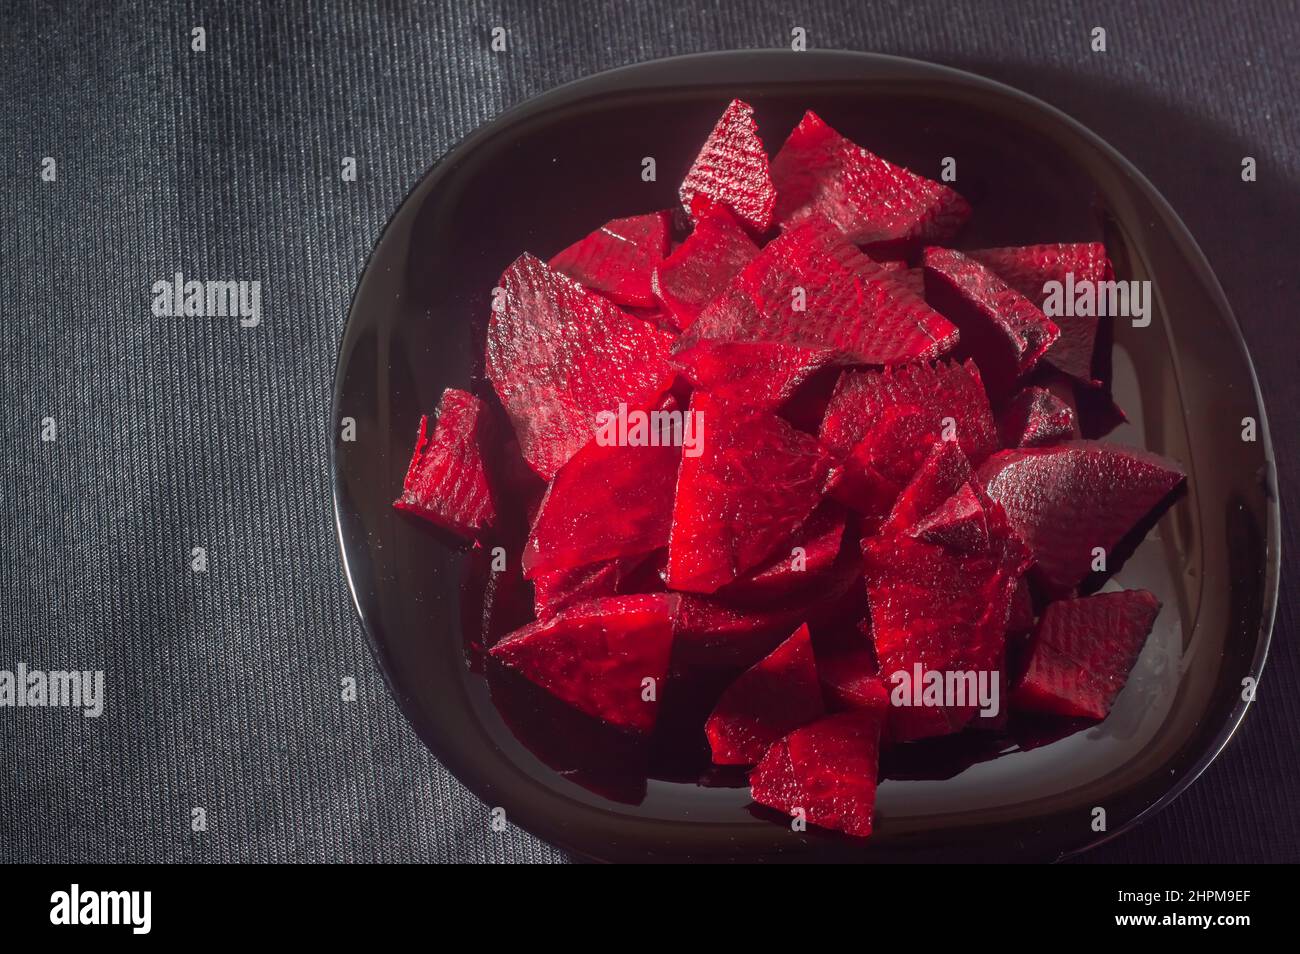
(851, 680)
(703, 266)
(555, 590)
(809, 287)
(1001, 329)
(827, 770)
(447, 480)
(812, 553)
(1083, 652)
(820, 173)
(941, 390)
(883, 424)
(713, 631)
(559, 354)
(937, 606)
(756, 481)
(1029, 268)
(760, 374)
(957, 523)
(773, 697)
(1036, 417)
(732, 170)
(1065, 500)
(595, 656)
(942, 474)
(619, 258)
(609, 500)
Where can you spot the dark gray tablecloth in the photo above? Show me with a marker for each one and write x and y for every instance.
(174, 433)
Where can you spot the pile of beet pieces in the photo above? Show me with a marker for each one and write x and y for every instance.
(891, 471)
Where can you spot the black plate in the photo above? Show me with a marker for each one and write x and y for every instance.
(550, 170)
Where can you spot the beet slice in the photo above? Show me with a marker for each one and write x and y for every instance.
(772, 698)
(1001, 329)
(760, 374)
(558, 354)
(940, 390)
(1065, 500)
(732, 170)
(447, 480)
(595, 656)
(943, 473)
(703, 266)
(619, 258)
(809, 287)
(1083, 652)
(957, 523)
(883, 424)
(1029, 268)
(851, 680)
(827, 770)
(820, 173)
(554, 590)
(756, 480)
(634, 486)
(1036, 417)
(713, 631)
(936, 606)
(813, 550)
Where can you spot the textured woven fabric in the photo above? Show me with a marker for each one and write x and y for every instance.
(175, 433)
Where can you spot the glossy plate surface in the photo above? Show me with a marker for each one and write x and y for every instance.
(549, 171)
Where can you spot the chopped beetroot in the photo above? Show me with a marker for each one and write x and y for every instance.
(851, 680)
(890, 420)
(813, 550)
(1083, 651)
(633, 482)
(554, 590)
(940, 609)
(559, 354)
(941, 390)
(619, 258)
(755, 482)
(447, 480)
(703, 266)
(772, 698)
(838, 473)
(870, 479)
(1029, 268)
(597, 656)
(760, 374)
(1065, 500)
(826, 770)
(714, 631)
(809, 287)
(958, 523)
(1036, 417)
(732, 170)
(1002, 330)
(820, 173)
(942, 474)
